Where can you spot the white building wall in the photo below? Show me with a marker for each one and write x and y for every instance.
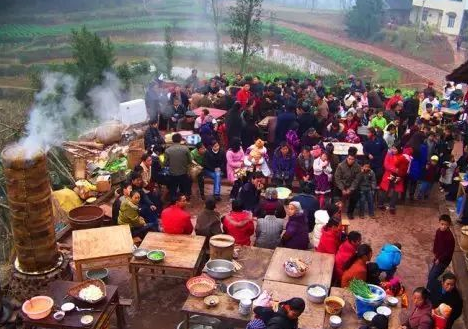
(438, 14)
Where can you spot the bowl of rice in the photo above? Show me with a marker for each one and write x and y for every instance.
(317, 293)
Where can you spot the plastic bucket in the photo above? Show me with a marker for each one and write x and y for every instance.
(363, 304)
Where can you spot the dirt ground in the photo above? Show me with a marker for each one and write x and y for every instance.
(413, 226)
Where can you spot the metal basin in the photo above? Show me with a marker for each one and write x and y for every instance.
(219, 268)
(243, 290)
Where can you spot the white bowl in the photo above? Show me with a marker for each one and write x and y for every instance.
(67, 307)
(368, 316)
(86, 320)
(384, 310)
(335, 321)
(392, 301)
(59, 315)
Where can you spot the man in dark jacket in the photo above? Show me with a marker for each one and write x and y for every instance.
(249, 194)
(305, 119)
(446, 292)
(152, 135)
(375, 148)
(345, 175)
(214, 162)
(309, 204)
(411, 109)
(284, 123)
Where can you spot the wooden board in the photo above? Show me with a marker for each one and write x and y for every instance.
(320, 267)
(349, 316)
(254, 263)
(314, 314)
(215, 113)
(182, 251)
(341, 148)
(102, 242)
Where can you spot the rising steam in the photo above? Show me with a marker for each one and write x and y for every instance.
(58, 115)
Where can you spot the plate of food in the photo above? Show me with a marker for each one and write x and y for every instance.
(91, 291)
(295, 267)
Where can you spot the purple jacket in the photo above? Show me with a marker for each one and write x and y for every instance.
(283, 166)
(297, 233)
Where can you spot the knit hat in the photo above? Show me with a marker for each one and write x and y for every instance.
(297, 205)
(435, 158)
(321, 216)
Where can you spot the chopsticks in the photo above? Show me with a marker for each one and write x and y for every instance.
(237, 265)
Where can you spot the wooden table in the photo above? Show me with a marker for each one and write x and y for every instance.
(313, 315)
(349, 316)
(183, 256)
(58, 289)
(254, 263)
(320, 268)
(102, 247)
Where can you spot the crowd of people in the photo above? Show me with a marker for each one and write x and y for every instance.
(406, 148)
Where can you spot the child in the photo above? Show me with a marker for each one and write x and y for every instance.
(322, 178)
(447, 173)
(366, 184)
(373, 274)
(261, 154)
(444, 245)
(389, 258)
(379, 121)
(352, 137)
(430, 177)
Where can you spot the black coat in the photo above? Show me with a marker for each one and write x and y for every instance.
(410, 108)
(233, 124)
(153, 137)
(215, 160)
(281, 321)
(452, 299)
(249, 196)
(306, 121)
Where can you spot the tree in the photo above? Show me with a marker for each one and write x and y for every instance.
(271, 24)
(92, 58)
(169, 50)
(365, 19)
(217, 12)
(245, 28)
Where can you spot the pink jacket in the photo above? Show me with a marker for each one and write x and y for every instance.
(235, 160)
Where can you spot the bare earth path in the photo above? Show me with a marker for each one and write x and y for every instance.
(425, 71)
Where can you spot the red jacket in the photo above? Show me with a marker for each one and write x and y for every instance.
(396, 165)
(357, 271)
(353, 124)
(175, 220)
(444, 245)
(345, 252)
(240, 226)
(329, 241)
(395, 99)
(243, 97)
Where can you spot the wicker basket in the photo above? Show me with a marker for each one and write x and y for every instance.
(75, 291)
(203, 281)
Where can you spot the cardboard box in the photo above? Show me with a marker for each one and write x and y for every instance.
(103, 183)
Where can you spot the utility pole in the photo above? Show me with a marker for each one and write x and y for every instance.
(421, 16)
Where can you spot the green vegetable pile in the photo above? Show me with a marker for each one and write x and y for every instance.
(116, 165)
(361, 289)
(156, 255)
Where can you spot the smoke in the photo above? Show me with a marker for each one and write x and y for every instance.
(58, 115)
(106, 97)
